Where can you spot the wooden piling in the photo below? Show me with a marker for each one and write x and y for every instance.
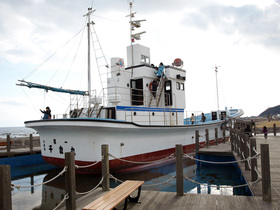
(105, 167)
(265, 164)
(179, 170)
(224, 134)
(5, 187)
(70, 181)
(31, 142)
(8, 143)
(231, 134)
(253, 148)
(274, 129)
(196, 141)
(216, 136)
(246, 151)
(207, 137)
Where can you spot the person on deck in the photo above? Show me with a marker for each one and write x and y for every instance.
(47, 113)
(203, 118)
(160, 71)
(248, 130)
(153, 87)
(264, 131)
(192, 118)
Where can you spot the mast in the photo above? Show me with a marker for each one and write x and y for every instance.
(216, 71)
(133, 24)
(90, 11)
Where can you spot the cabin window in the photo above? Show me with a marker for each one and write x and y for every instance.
(178, 85)
(182, 86)
(145, 59)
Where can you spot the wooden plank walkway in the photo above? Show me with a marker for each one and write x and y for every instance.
(169, 200)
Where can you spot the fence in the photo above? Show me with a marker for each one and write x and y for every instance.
(70, 167)
(22, 142)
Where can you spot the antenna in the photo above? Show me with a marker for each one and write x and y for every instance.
(137, 36)
(216, 72)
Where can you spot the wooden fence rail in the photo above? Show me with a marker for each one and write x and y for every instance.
(245, 146)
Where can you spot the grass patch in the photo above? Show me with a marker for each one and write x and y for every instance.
(267, 124)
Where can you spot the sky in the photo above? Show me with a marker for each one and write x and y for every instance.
(240, 37)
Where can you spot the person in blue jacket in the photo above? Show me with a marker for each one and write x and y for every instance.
(160, 71)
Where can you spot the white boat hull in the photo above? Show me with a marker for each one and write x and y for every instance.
(126, 140)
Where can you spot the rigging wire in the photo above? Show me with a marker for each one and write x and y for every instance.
(29, 100)
(59, 67)
(74, 58)
(37, 68)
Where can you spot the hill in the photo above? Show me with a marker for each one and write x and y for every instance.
(270, 111)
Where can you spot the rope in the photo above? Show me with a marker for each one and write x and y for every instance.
(64, 199)
(256, 170)
(84, 193)
(236, 186)
(51, 56)
(249, 164)
(150, 185)
(204, 161)
(144, 185)
(36, 185)
(170, 156)
(86, 166)
(116, 179)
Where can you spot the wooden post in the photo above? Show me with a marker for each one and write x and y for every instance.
(224, 134)
(216, 136)
(235, 141)
(231, 139)
(179, 170)
(70, 180)
(8, 143)
(238, 143)
(246, 151)
(254, 175)
(5, 187)
(242, 146)
(265, 164)
(274, 129)
(105, 167)
(196, 141)
(31, 142)
(207, 137)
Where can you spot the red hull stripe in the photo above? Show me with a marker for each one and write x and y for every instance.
(121, 166)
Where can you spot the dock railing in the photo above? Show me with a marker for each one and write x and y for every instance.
(70, 190)
(244, 145)
(11, 144)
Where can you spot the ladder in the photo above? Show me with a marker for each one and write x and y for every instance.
(101, 61)
(159, 91)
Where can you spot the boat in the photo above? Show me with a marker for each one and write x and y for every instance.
(137, 124)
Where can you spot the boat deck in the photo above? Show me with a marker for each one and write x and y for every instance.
(169, 200)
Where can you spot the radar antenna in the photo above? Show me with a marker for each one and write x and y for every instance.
(136, 36)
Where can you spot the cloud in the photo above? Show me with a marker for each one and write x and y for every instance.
(248, 22)
(11, 102)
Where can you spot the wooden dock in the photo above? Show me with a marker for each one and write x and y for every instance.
(169, 200)
(20, 152)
